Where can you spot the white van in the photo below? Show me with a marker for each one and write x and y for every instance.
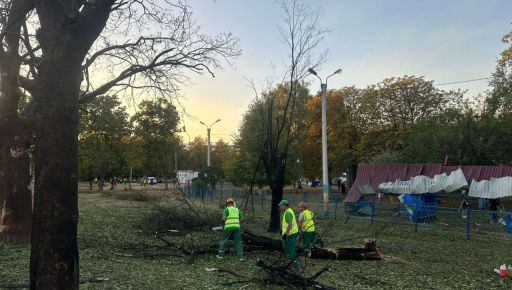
(151, 180)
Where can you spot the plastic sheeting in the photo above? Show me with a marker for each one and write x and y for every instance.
(491, 189)
(423, 184)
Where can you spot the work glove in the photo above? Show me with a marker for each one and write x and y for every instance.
(283, 237)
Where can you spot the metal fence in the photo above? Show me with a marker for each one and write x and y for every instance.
(467, 221)
(260, 199)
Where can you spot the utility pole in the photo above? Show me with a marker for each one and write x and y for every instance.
(325, 172)
(208, 130)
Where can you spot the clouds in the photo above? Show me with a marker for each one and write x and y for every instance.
(444, 41)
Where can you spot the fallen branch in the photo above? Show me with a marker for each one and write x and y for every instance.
(212, 249)
(224, 270)
(283, 276)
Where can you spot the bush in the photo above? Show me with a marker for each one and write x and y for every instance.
(164, 218)
(132, 195)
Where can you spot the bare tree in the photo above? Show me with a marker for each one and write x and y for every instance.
(60, 53)
(279, 113)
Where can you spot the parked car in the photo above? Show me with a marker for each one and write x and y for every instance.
(316, 183)
(152, 180)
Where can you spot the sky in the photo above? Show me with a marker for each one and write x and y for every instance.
(444, 41)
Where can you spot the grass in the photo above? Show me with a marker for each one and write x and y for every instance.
(117, 242)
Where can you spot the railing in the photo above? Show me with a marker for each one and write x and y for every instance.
(419, 217)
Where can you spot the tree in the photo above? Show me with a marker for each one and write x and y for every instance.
(278, 111)
(15, 197)
(500, 98)
(209, 175)
(156, 123)
(270, 129)
(103, 125)
(197, 155)
(221, 152)
(56, 66)
(346, 125)
(244, 168)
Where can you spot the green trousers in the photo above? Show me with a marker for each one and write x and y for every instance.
(307, 239)
(290, 248)
(235, 233)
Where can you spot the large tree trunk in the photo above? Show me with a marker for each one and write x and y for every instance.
(65, 36)
(165, 179)
(54, 251)
(15, 194)
(277, 195)
(101, 182)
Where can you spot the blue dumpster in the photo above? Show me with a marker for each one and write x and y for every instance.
(420, 207)
(508, 222)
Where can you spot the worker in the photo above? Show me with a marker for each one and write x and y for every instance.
(231, 218)
(306, 226)
(289, 232)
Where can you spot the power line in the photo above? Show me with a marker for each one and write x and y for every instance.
(465, 81)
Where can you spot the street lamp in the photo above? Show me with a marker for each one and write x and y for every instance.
(189, 145)
(209, 129)
(325, 173)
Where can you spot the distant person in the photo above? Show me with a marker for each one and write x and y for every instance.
(343, 188)
(494, 205)
(464, 203)
(231, 218)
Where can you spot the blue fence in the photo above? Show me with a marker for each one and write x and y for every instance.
(465, 220)
(420, 214)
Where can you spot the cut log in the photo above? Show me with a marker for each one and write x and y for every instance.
(367, 252)
(255, 242)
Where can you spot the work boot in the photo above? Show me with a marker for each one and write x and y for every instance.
(219, 256)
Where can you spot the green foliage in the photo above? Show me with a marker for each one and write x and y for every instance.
(156, 124)
(133, 195)
(164, 218)
(103, 125)
(196, 158)
(221, 153)
(210, 175)
(242, 168)
(270, 130)
(500, 98)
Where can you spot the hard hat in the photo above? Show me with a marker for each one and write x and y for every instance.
(230, 199)
(284, 202)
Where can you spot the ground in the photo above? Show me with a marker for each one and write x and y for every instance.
(118, 245)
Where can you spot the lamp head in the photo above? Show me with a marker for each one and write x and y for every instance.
(338, 71)
(312, 71)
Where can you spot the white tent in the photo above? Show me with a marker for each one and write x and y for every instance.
(491, 189)
(423, 184)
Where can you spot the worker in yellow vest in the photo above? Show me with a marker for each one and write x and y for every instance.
(231, 218)
(306, 226)
(289, 232)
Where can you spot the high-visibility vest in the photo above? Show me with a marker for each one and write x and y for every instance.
(233, 219)
(308, 225)
(284, 224)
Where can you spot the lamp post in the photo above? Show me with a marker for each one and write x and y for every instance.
(325, 173)
(208, 130)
